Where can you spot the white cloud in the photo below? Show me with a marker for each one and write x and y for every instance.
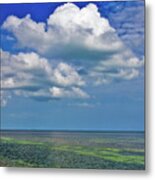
(70, 18)
(123, 66)
(84, 105)
(71, 32)
(29, 75)
(74, 92)
(4, 97)
(19, 70)
(28, 32)
(64, 70)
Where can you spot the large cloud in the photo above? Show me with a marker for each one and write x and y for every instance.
(30, 75)
(70, 33)
(74, 45)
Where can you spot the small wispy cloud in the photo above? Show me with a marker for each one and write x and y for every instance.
(85, 104)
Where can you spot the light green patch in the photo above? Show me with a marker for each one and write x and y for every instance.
(12, 140)
(104, 153)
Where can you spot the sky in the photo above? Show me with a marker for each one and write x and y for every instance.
(72, 66)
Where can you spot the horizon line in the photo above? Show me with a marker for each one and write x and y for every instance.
(73, 130)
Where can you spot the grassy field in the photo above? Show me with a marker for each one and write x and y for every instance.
(73, 150)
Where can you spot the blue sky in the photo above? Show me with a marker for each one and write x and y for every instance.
(72, 66)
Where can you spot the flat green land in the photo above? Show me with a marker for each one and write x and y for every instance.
(73, 150)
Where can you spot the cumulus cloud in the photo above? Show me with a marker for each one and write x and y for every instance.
(124, 66)
(70, 33)
(74, 45)
(29, 75)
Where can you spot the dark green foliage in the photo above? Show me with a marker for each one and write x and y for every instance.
(33, 154)
(72, 160)
(41, 156)
(78, 151)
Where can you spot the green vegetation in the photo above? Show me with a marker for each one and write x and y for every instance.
(74, 151)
